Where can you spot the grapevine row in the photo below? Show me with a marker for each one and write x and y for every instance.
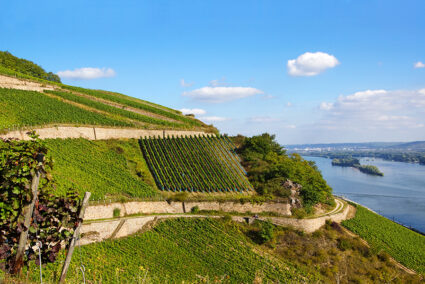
(195, 164)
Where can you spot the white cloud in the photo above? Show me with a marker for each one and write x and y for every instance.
(419, 64)
(213, 118)
(375, 110)
(195, 111)
(326, 106)
(311, 64)
(221, 94)
(185, 84)
(87, 73)
(288, 104)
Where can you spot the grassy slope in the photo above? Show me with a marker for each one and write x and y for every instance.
(404, 245)
(19, 107)
(108, 169)
(177, 250)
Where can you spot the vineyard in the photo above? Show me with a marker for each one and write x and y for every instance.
(21, 108)
(404, 245)
(115, 110)
(74, 106)
(109, 169)
(178, 251)
(139, 104)
(195, 164)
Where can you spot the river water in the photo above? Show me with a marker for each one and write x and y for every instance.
(398, 195)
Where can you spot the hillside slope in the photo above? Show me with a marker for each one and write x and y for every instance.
(190, 250)
(30, 98)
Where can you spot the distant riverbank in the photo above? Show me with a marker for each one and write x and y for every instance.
(399, 195)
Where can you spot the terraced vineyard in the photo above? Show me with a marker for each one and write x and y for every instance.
(21, 108)
(177, 251)
(74, 106)
(196, 164)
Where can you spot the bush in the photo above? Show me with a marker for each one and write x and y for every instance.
(266, 232)
(344, 244)
(117, 212)
(195, 209)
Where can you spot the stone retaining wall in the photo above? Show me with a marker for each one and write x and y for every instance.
(99, 133)
(313, 224)
(22, 84)
(101, 230)
(154, 207)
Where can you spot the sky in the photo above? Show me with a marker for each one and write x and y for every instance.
(306, 71)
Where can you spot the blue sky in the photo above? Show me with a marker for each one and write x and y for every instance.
(352, 77)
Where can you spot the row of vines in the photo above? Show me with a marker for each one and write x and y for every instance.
(136, 104)
(21, 108)
(115, 110)
(195, 164)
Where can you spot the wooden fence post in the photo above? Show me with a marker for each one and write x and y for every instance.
(19, 260)
(74, 237)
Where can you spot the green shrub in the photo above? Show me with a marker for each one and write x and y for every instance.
(195, 209)
(117, 212)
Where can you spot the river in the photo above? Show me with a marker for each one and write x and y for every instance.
(398, 195)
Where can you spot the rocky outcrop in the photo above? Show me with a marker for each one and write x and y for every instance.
(294, 198)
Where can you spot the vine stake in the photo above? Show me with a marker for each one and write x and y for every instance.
(74, 237)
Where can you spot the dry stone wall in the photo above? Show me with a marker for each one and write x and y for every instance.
(22, 84)
(108, 229)
(99, 133)
(158, 207)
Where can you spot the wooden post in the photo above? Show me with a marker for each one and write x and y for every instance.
(74, 237)
(19, 260)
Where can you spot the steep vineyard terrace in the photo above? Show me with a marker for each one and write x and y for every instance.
(195, 164)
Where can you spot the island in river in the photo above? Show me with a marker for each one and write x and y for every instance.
(355, 163)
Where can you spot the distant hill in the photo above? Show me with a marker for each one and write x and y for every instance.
(11, 62)
(399, 146)
(345, 146)
(411, 146)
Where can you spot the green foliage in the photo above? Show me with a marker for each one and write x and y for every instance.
(116, 213)
(115, 110)
(195, 209)
(371, 170)
(266, 232)
(19, 108)
(126, 101)
(177, 251)
(332, 256)
(346, 162)
(268, 165)
(54, 218)
(107, 168)
(355, 163)
(194, 164)
(7, 60)
(404, 245)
